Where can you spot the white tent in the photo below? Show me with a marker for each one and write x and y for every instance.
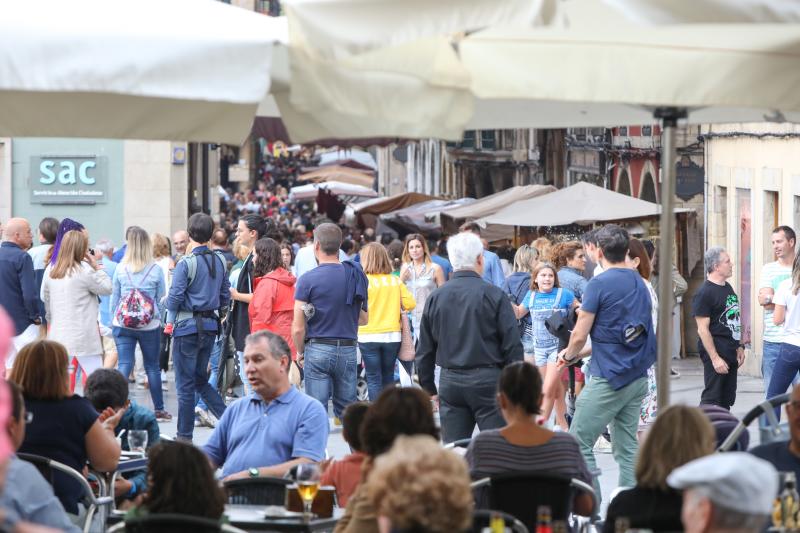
(347, 191)
(582, 203)
(191, 70)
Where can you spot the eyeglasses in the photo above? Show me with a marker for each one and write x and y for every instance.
(28, 417)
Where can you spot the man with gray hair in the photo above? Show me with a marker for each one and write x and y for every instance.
(468, 328)
(715, 307)
(273, 428)
(330, 304)
(725, 492)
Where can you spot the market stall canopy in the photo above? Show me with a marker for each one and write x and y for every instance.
(349, 163)
(346, 191)
(582, 203)
(708, 11)
(189, 70)
(340, 174)
(392, 203)
(452, 217)
(413, 219)
(337, 157)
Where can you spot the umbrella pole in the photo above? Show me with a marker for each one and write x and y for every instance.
(669, 119)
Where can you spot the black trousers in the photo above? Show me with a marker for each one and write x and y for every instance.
(720, 389)
(466, 398)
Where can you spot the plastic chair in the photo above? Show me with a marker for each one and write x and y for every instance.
(94, 504)
(172, 523)
(257, 491)
(482, 517)
(521, 494)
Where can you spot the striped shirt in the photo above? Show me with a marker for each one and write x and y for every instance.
(772, 274)
(490, 453)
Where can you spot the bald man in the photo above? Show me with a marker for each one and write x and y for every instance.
(180, 240)
(18, 293)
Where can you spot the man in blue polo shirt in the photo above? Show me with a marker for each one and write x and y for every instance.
(616, 312)
(276, 426)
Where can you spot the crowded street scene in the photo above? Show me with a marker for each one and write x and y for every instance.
(399, 267)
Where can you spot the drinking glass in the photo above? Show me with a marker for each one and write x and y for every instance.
(308, 475)
(137, 440)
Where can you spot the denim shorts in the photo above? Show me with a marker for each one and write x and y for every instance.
(542, 357)
(527, 343)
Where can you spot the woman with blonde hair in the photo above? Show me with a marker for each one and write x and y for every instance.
(516, 287)
(379, 340)
(679, 435)
(64, 427)
(70, 291)
(545, 248)
(420, 274)
(420, 486)
(138, 289)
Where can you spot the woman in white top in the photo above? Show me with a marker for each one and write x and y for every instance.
(787, 313)
(162, 255)
(139, 323)
(420, 274)
(69, 291)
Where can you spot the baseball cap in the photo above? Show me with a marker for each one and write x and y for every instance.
(736, 480)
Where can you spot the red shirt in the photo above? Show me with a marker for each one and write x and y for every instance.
(345, 475)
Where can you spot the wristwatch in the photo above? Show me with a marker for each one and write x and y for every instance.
(253, 472)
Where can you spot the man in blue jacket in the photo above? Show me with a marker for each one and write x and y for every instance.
(199, 296)
(616, 312)
(18, 294)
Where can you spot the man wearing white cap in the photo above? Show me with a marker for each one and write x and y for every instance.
(726, 492)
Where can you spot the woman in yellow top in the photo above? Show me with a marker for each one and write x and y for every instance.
(379, 340)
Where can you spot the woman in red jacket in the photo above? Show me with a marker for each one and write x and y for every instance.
(272, 306)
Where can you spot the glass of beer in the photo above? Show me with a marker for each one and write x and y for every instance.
(308, 475)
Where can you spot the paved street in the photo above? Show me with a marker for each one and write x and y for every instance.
(685, 389)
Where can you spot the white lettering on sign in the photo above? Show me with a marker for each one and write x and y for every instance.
(67, 174)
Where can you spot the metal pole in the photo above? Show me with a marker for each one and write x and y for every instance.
(669, 119)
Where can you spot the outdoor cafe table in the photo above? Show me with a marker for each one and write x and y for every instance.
(251, 518)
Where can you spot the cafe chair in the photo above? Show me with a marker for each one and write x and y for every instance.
(94, 505)
(482, 517)
(172, 523)
(520, 494)
(257, 491)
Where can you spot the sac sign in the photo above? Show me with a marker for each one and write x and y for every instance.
(68, 179)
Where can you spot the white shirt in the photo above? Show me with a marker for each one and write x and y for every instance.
(305, 260)
(791, 324)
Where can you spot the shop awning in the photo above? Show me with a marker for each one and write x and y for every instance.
(341, 175)
(452, 217)
(582, 203)
(346, 191)
(415, 217)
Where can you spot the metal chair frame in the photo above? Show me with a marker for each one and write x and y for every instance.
(766, 408)
(232, 487)
(177, 520)
(96, 504)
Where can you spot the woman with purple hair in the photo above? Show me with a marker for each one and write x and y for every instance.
(66, 225)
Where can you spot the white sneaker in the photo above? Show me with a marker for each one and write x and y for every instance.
(206, 417)
(602, 445)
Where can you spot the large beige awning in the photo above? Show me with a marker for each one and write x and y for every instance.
(582, 203)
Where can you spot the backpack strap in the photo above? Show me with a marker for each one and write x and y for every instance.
(558, 300)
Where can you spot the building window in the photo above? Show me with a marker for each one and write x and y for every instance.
(623, 131)
(647, 131)
(744, 258)
(797, 213)
(720, 213)
(770, 217)
(624, 183)
(469, 140)
(647, 190)
(487, 140)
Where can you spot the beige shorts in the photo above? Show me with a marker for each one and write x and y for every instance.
(109, 346)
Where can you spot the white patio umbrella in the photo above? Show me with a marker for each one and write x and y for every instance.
(708, 11)
(592, 76)
(192, 70)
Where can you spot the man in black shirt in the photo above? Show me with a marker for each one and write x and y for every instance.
(468, 328)
(716, 310)
(251, 228)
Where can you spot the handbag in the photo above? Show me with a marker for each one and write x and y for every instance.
(407, 350)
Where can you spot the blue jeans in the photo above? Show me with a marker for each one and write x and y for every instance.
(150, 343)
(190, 355)
(786, 368)
(216, 351)
(379, 361)
(331, 367)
